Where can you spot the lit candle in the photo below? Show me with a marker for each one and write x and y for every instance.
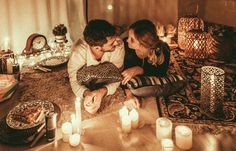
(6, 44)
(123, 112)
(66, 130)
(167, 145)
(163, 128)
(126, 124)
(74, 140)
(212, 93)
(134, 118)
(183, 137)
(75, 123)
(78, 114)
(10, 62)
(195, 44)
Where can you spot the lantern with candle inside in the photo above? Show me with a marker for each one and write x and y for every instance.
(212, 91)
(186, 24)
(66, 130)
(163, 128)
(183, 137)
(196, 45)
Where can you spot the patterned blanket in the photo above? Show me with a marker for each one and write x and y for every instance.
(184, 107)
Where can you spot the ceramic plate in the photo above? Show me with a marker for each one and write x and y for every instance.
(53, 61)
(15, 124)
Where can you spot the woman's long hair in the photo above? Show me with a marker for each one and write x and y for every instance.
(146, 33)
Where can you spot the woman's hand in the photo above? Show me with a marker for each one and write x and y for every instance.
(130, 73)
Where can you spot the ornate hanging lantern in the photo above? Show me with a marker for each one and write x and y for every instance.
(186, 24)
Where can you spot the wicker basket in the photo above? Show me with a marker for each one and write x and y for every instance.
(196, 44)
(186, 24)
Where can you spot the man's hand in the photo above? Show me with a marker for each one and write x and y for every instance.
(92, 101)
(130, 73)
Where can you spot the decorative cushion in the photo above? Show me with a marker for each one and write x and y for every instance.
(156, 86)
(97, 75)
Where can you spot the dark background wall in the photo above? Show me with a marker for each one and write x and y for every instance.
(165, 11)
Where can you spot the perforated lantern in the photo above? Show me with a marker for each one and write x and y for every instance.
(196, 44)
(212, 90)
(186, 24)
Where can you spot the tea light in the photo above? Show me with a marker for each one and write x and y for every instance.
(66, 130)
(74, 140)
(183, 137)
(126, 124)
(123, 112)
(163, 128)
(75, 123)
(134, 118)
(167, 145)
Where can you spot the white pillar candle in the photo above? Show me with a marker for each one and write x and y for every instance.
(75, 123)
(134, 118)
(74, 140)
(10, 62)
(183, 137)
(123, 112)
(126, 124)
(66, 130)
(163, 128)
(167, 145)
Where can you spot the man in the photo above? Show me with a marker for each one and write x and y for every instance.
(99, 45)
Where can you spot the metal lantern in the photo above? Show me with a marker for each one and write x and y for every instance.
(212, 90)
(185, 24)
(196, 44)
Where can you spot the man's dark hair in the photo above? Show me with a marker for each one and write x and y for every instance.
(96, 32)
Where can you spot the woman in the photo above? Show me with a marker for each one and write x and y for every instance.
(145, 55)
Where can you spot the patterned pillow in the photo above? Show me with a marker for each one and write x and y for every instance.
(156, 86)
(98, 75)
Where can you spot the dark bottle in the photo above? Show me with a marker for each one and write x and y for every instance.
(16, 71)
(51, 125)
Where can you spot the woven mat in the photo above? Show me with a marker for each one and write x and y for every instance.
(20, 137)
(184, 106)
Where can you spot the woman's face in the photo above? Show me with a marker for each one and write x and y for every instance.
(133, 43)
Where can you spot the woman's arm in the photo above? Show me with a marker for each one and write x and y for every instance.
(130, 73)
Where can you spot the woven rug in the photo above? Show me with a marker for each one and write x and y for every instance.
(184, 107)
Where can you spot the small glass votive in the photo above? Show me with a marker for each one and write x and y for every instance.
(126, 124)
(183, 137)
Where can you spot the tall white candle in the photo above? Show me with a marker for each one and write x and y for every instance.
(66, 130)
(126, 124)
(123, 112)
(163, 128)
(134, 118)
(75, 123)
(74, 140)
(183, 137)
(78, 113)
(167, 145)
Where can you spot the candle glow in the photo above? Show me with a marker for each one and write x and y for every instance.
(183, 136)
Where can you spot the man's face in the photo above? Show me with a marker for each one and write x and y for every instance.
(110, 45)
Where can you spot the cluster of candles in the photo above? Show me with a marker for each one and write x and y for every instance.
(71, 130)
(183, 135)
(128, 119)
